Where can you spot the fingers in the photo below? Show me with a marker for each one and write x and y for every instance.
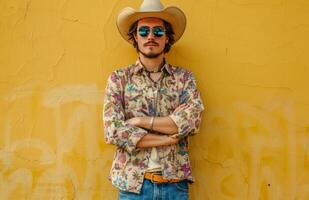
(130, 121)
(175, 136)
(174, 139)
(133, 121)
(181, 107)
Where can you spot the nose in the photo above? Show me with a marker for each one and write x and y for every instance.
(150, 36)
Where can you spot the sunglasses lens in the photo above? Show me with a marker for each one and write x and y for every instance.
(143, 31)
(158, 31)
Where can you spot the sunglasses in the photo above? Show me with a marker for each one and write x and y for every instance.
(157, 31)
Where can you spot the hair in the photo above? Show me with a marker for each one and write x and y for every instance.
(168, 30)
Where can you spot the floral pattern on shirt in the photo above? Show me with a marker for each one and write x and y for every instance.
(130, 93)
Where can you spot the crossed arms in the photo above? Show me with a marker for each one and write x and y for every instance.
(164, 125)
(132, 134)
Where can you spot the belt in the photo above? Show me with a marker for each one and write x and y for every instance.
(156, 178)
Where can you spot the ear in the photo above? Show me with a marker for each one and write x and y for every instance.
(135, 36)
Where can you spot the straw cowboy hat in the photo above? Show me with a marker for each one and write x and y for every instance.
(152, 8)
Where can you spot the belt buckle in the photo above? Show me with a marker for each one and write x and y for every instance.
(151, 178)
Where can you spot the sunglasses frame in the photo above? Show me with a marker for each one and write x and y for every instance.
(157, 31)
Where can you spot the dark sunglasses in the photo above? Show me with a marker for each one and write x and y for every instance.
(157, 31)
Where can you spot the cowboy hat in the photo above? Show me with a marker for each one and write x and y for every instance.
(151, 8)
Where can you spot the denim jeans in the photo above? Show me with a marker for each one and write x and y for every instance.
(158, 191)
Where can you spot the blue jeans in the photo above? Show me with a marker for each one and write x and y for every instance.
(158, 191)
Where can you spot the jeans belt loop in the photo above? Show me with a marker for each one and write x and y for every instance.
(152, 175)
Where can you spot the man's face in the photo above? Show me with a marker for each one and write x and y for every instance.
(150, 46)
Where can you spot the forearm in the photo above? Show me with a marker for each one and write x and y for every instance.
(155, 140)
(163, 125)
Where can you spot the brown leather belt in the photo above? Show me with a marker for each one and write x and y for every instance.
(157, 178)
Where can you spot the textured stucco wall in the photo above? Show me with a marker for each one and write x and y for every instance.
(250, 58)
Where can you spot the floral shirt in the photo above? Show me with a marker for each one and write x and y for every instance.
(131, 93)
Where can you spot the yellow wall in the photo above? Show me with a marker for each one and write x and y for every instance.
(250, 58)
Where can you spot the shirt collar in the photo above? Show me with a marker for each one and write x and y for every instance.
(138, 67)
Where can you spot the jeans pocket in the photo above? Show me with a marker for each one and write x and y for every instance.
(182, 186)
(124, 195)
(122, 192)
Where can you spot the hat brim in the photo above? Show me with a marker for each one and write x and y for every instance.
(172, 15)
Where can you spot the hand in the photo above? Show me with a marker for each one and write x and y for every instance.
(171, 140)
(134, 121)
(181, 107)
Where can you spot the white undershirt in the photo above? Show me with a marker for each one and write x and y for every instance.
(154, 164)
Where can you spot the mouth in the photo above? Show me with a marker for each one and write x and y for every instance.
(151, 44)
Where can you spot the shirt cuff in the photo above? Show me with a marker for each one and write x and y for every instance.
(134, 138)
(183, 126)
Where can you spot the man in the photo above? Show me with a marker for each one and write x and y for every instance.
(150, 108)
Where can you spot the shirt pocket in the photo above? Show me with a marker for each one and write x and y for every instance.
(169, 100)
(133, 100)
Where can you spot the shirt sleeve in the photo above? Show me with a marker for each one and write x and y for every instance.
(116, 130)
(188, 120)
